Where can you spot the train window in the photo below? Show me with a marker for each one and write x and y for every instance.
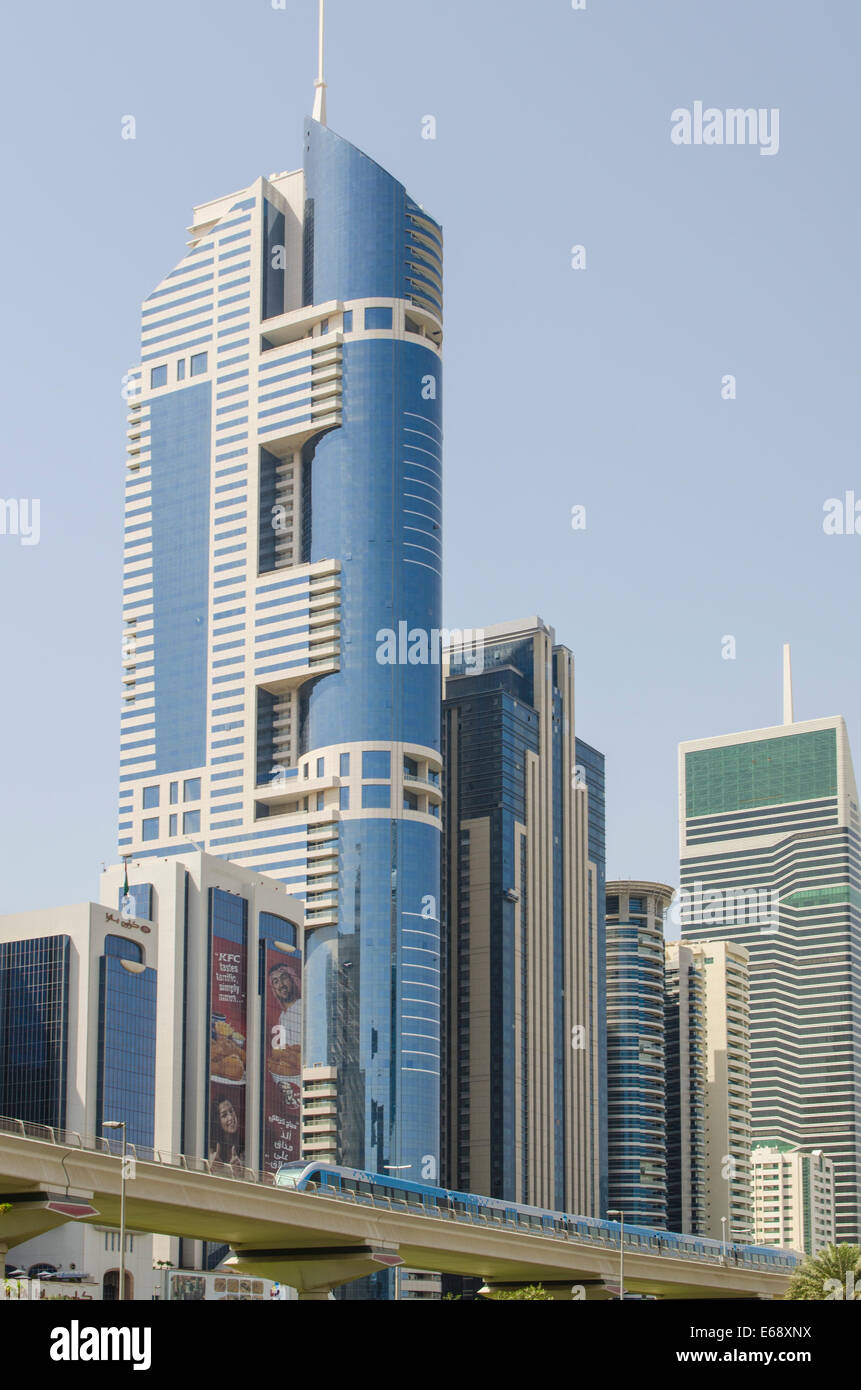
(365, 1187)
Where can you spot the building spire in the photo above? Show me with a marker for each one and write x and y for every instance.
(787, 685)
(320, 84)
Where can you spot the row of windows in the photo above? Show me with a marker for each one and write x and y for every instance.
(197, 367)
(376, 765)
(190, 825)
(190, 792)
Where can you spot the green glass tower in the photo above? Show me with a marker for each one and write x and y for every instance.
(771, 859)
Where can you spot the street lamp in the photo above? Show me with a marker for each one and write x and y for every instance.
(397, 1168)
(723, 1236)
(621, 1216)
(121, 1124)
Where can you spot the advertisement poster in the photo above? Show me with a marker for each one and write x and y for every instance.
(282, 1078)
(227, 1052)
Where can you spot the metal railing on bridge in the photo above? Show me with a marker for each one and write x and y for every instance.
(563, 1229)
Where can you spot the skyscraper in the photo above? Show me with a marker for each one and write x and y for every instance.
(283, 519)
(523, 885)
(685, 1051)
(636, 1086)
(793, 1197)
(771, 816)
(724, 968)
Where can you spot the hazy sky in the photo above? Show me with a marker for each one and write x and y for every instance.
(598, 387)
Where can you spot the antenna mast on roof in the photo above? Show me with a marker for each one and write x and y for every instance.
(320, 84)
(787, 685)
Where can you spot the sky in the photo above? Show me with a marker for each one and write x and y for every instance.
(600, 387)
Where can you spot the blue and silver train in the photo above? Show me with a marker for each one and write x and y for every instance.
(394, 1191)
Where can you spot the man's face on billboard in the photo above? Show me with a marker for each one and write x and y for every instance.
(283, 986)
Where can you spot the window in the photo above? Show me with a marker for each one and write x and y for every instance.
(348, 320)
(345, 798)
(198, 363)
(377, 765)
(174, 793)
(345, 764)
(180, 370)
(158, 377)
(378, 319)
(377, 798)
(173, 826)
(305, 771)
(324, 327)
(411, 802)
(150, 829)
(411, 767)
(321, 801)
(321, 766)
(150, 798)
(190, 822)
(191, 789)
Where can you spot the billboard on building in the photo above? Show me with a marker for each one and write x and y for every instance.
(227, 1038)
(282, 1055)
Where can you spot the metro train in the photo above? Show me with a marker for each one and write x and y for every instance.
(421, 1197)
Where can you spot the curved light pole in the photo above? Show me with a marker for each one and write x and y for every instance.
(121, 1124)
(621, 1216)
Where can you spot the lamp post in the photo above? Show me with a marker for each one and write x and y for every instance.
(723, 1234)
(121, 1124)
(621, 1216)
(397, 1168)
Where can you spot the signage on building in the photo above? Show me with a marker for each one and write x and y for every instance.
(227, 1050)
(282, 1056)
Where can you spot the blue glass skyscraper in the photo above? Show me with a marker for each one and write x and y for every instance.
(281, 701)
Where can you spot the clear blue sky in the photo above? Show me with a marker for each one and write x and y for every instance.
(599, 387)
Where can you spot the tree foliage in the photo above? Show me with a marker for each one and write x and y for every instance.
(834, 1273)
(533, 1292)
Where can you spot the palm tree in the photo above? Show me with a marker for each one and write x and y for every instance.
(832, 1274)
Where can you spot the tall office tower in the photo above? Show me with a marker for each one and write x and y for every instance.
(524, 930)
(636, 1087)
(686, 1075)
(724, 967)
(590, 778)
(176, 1008)
(793, 1197)
(767, 817)
(281, 700)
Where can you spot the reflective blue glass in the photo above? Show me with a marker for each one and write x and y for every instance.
(150, 828)
(274, 928)
(150, 798)
(180, 525)
(127, 1037)
(378, 318)
(141, 905)
(34, 1025)
(377, 798)
(377, 764)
